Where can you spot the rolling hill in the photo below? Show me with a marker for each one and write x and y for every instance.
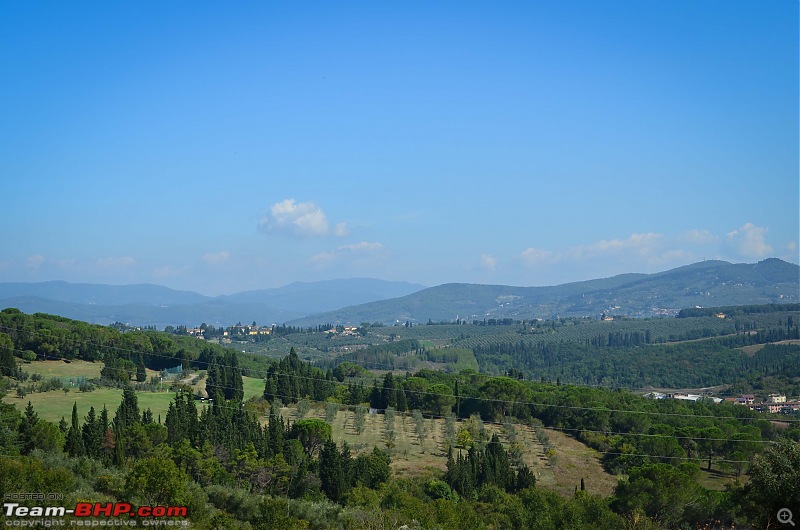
(356, 300)
(154, 305)
(708, 283)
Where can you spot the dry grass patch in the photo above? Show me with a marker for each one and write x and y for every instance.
(574, 460)
(48, 369)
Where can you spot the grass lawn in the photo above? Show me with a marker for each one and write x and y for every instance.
(717, 480)
(253, 386)
(54, 405)
(60, 369)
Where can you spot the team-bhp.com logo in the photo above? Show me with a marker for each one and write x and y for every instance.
(86, 514)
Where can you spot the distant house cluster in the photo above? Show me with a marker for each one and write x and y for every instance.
(683, 396)
(246, 331)
(237, 332)
(774, 404)
(343, 330)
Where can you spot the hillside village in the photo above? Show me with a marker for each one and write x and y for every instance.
(773, 404)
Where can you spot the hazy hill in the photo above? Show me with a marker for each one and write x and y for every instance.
(709, 283)
(146, 304)
(306, 297)
(89, 293)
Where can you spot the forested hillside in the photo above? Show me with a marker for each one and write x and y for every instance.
(231, 462)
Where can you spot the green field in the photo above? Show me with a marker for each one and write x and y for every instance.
(54, 405)
(63, 369)
(252, 387)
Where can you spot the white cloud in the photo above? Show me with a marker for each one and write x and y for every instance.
(216, 258)
(749, 241)
(66, 263)
(125, 261)
(488, 262)
(34, 262)
(304, 219)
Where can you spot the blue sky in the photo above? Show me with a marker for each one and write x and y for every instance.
(222, 147)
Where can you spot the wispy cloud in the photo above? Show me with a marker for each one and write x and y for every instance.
(750, 241)
(303, 219)
(34, 262)
(654, 251)
(698, 237)
(642, 244)
(535, 256)
(488, 262)
(217, 258)
(107, 263)
(165, 271)
(360, 250)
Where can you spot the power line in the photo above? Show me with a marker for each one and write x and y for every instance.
(482, 399)
(562, 429)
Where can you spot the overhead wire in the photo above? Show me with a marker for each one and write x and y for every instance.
(482, 399)
(372, 411)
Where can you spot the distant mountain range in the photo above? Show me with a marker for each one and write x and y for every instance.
(705, 284)
(352, 301)
(154, 305)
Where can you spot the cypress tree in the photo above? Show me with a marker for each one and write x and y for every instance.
(141, 374)
(332, 472)
(128, 410)
(275, 432)
(388, 396)
(92, 440)
(74, 442)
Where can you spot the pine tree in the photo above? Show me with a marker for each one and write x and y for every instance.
(525, 478)
(128, 410)
(27, 429)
